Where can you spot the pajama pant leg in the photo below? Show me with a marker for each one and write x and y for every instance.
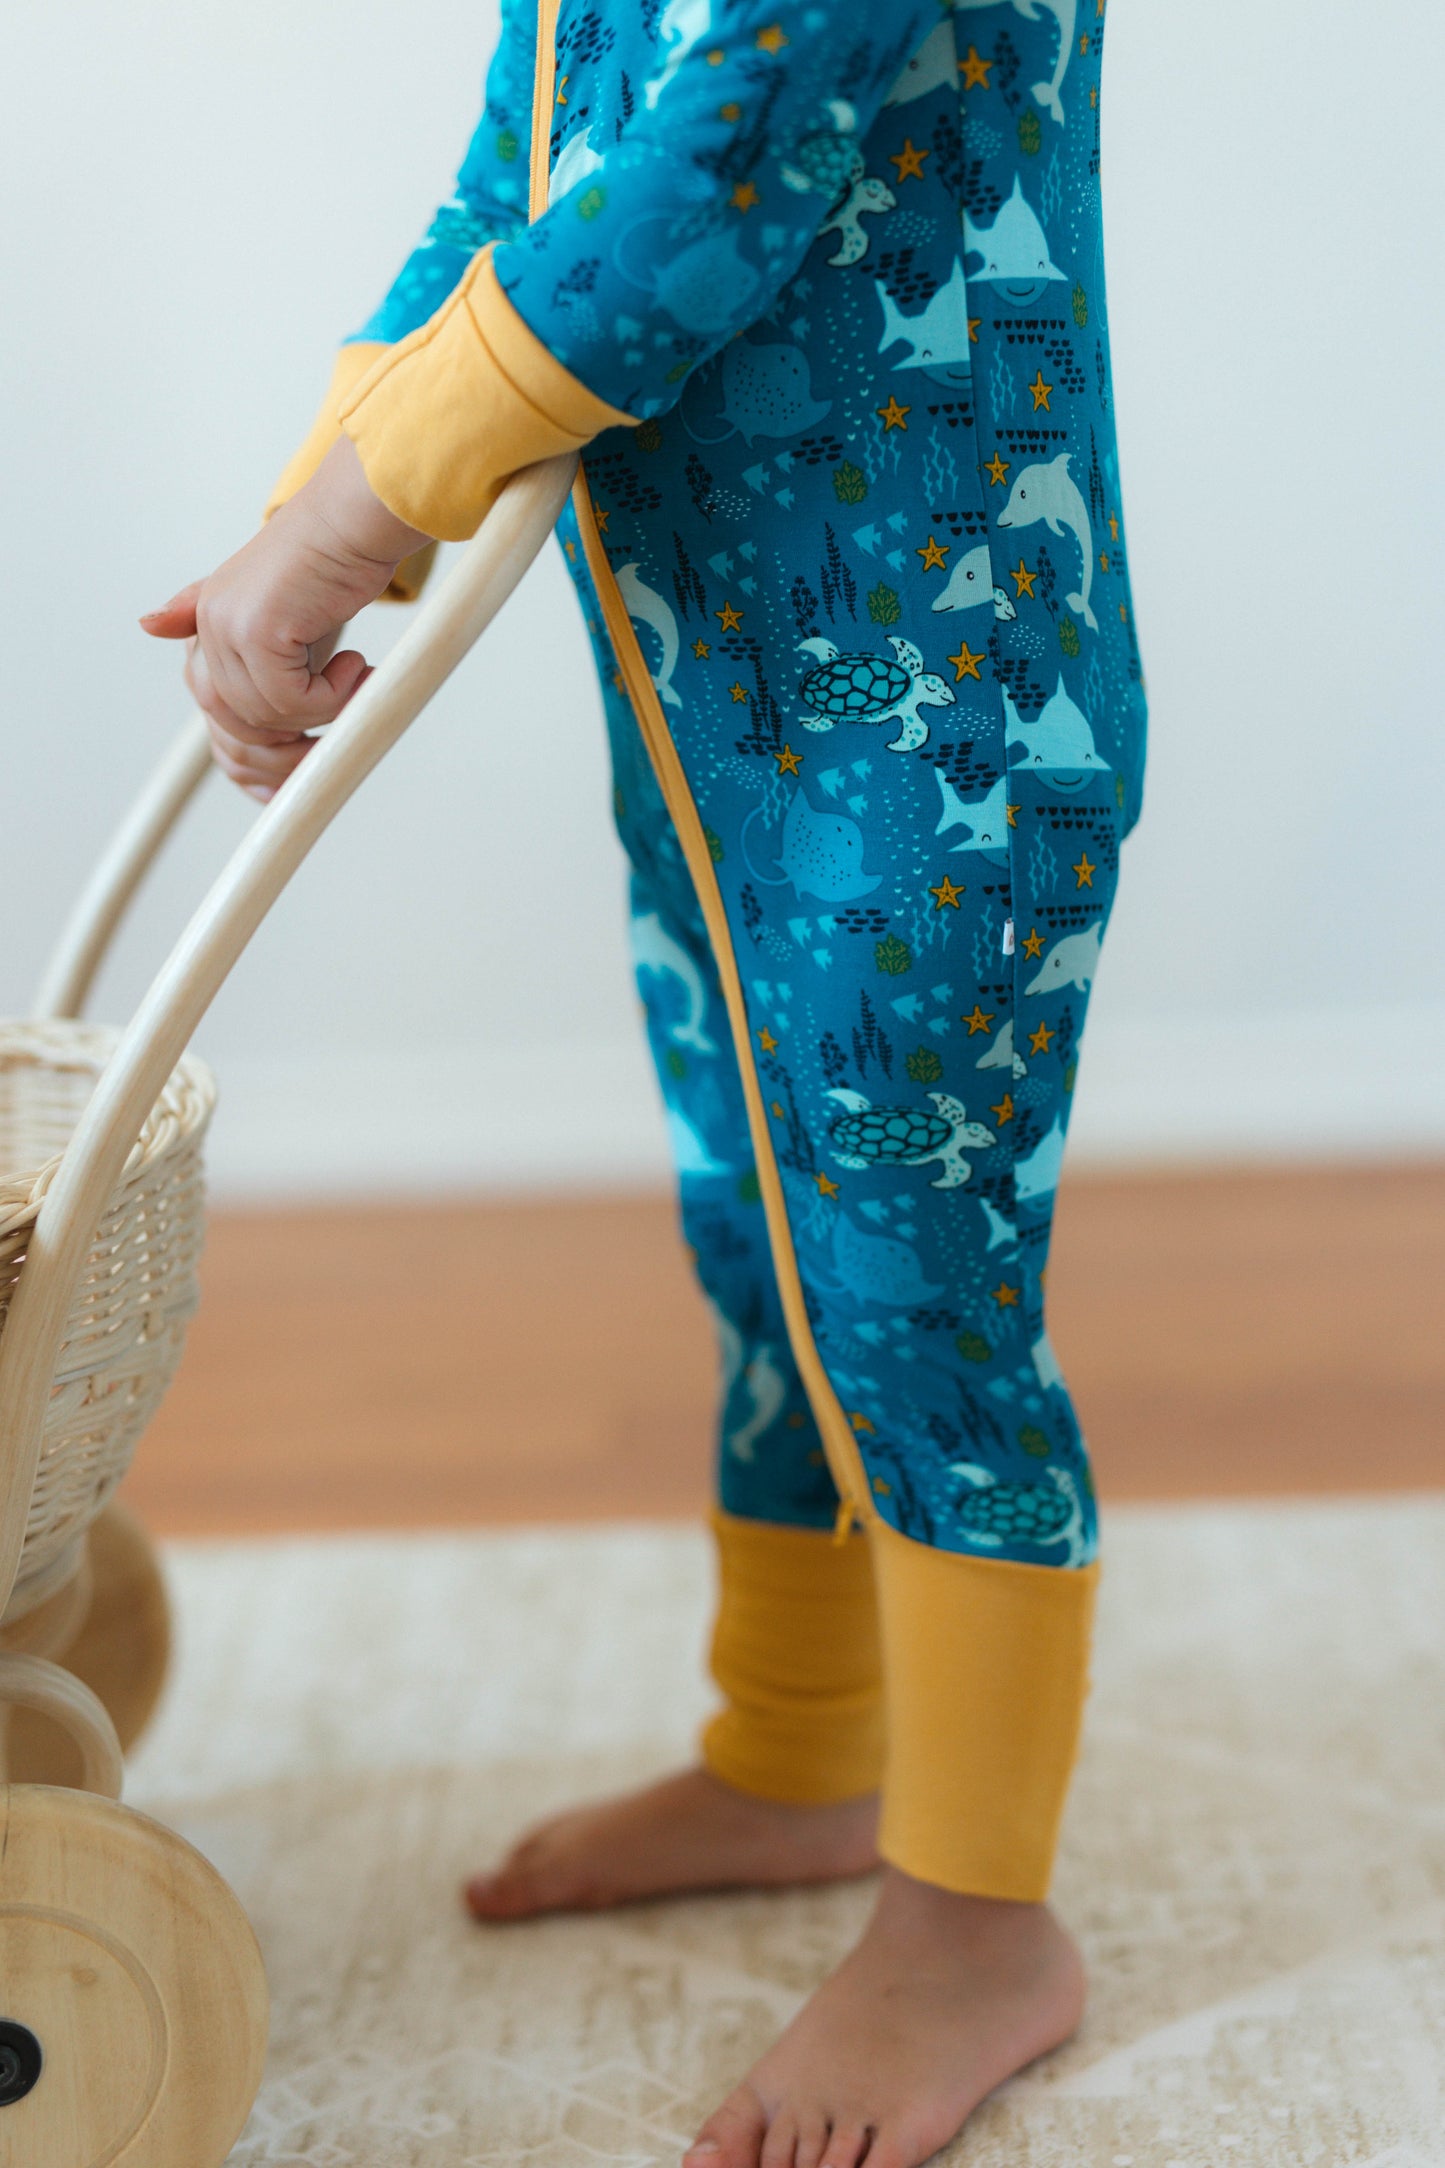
(795, 1649)
(898, 766)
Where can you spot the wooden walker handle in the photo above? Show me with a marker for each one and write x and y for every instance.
(259, 869)
(124, 863)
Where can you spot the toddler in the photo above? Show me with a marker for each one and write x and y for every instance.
(817, 291)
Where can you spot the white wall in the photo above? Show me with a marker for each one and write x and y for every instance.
(201, 197)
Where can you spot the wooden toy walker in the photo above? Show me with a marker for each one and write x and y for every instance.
(133, 2002)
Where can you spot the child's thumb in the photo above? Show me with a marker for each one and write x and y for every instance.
(176, 620)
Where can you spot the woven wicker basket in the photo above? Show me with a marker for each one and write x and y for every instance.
(127, 1320)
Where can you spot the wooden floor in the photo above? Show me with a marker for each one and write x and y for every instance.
(1224, 1333)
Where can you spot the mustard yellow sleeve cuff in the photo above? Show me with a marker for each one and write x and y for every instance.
(795, 1652)
(987, 1674)
(443, 418)
(352, 364)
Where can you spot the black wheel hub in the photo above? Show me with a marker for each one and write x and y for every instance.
(20, 2061)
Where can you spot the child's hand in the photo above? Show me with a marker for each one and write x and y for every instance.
(264, 626)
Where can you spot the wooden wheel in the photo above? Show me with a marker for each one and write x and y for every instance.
(119, 1646)
(133, 2000)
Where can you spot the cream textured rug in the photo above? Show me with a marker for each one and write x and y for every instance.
(1255, 1855)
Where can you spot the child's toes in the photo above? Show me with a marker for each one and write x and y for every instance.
(510, 1892)
(488, 1896)
(733, 2136)
(890, 2149)
(813, 2130)
(780, 2144)
(515, 1888)
(847, 2145)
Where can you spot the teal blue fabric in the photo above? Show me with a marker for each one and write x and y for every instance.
(847, 263)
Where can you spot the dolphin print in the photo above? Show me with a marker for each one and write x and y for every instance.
(1001, 1054)
(684, 24)
(971, 583)
(1070, 962)
(1048, 491)
(1048, 93)
(647, 606)
(653, 949)
(1037, 1177)
(730, 1348)
(768, 1393)
(1064, 12)
(575, 161)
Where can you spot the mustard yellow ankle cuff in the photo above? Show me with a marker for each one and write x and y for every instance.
(986, 1676)
(795, 1652)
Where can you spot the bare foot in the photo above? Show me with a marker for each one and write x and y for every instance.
(690, 1832)
(943, 1999)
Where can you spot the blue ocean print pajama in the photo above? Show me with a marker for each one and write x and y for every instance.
(846, 264)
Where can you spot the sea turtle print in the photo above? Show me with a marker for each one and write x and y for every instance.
(841, 270)
(834, 165)
(1001, 1515)
(871, 689)
(869, 1136)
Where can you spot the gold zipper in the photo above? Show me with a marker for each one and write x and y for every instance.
(544, 90)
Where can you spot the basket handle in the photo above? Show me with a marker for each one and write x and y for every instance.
(101, 905)
(259, 869)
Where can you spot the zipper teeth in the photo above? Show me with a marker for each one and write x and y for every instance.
(544, 76)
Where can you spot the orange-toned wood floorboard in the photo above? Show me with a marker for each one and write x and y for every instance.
(1247, 1332)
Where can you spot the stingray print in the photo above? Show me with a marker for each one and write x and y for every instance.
(766, 393)
(822, 854)
(878, 1268)
(699, 285)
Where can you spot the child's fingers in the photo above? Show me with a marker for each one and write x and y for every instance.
(218, 709)
(266, 755)
(346, 673)
(176, 619)
(242, 777)
(251, 758)
(279, 692)
(254, 766)
(259, 759)
(263, 763)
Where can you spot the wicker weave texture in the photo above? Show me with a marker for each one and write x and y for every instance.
(128, 1318)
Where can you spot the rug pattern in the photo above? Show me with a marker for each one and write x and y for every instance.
(1254, 1858)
